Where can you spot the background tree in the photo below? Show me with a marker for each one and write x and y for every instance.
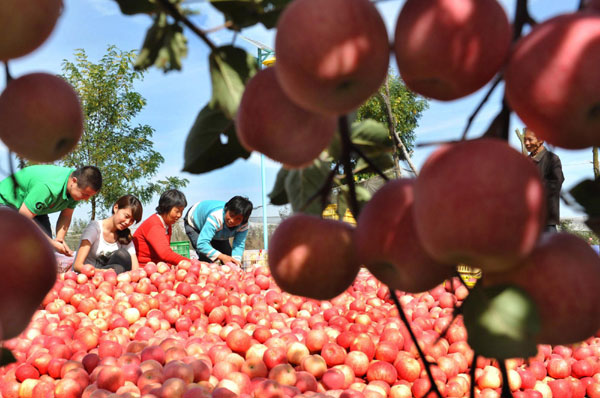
(406, 110)
(111, 141)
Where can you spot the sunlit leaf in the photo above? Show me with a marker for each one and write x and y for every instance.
(278, 195)
(211, 143)
(302, 184)
(230, 69)
(501, 321)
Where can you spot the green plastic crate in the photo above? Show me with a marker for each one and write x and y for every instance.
(182, 248)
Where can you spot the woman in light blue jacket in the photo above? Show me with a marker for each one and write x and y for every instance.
(210, 224)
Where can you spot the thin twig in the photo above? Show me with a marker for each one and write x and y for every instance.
(226, 25)
(472, 374)
(372, 165)
(175, 13)
(505, 387)
(522, 17)
(9, 77)
(323, 190)
(476, 111)
(404, 319)
(436, 143)
(346, 149)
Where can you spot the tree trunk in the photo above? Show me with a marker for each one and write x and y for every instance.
(93, 208)
(596, 163)
(394, 133)
(522, 140)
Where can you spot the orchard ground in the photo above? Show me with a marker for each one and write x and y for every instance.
(198, 330)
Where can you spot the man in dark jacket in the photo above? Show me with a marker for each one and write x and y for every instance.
(551, 170)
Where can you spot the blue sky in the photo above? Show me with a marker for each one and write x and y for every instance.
(175, 98)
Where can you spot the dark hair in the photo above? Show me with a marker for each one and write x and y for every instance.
(240, 205)
(88, 176)
(169, 199)
(133, 203)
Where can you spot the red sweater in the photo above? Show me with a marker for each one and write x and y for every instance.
(152, 242)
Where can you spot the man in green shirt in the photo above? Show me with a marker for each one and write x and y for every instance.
(44, 189)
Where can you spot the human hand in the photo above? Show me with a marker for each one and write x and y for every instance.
(62, 248)
(228, 259)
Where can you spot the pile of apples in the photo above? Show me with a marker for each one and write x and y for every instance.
(200, 330)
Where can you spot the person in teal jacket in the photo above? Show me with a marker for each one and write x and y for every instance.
(210, 224)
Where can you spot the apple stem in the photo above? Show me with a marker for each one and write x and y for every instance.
(346, 150)
(175, 13)
(426, 363)
(505, 387)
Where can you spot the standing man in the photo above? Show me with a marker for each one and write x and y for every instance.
(551, 171)
(39, 190)
(211, 223)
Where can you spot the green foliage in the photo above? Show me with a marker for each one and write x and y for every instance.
(244, 13)
(230, 70)
(211, 142)
(501, 321)
(164, 46)
(122, 151)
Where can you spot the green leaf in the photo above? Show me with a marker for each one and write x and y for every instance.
(278, 195)
(301, 184)
(501, 321)
(204, 149)
(164, 46)
(382, 161)
(6, 357)
(342, 203)
(244, 13)
(131, 7)
(230, 69)
(371, 134)
(587, 194)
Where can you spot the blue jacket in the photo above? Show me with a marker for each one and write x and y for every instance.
(208, 217)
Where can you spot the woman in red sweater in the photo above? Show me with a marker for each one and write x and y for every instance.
(153, 237)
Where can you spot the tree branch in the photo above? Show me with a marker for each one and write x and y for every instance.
(323, 191)
(476, 111)
(372, 165)
(392, 127)
(346, 150)
(175, 13)
(416, 342)
(522, 17)
(9, 77)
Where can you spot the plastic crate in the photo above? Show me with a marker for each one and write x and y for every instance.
(182, 248)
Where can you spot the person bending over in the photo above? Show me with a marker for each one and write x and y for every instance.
(210, 224)
(39, 190)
